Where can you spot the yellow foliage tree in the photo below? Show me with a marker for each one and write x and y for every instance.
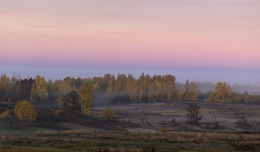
(25, 111)
(179, 94)
(191, 91)
(39, 90)
(85, 98)
(222, 93)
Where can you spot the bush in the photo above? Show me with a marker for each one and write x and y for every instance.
(6, 115)
(25, 111)
(57, 112)
(193, 113)
(109, 113)
(164, 129)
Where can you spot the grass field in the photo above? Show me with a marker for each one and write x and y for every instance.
(137, 128)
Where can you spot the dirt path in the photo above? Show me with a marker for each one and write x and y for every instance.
(145, 122)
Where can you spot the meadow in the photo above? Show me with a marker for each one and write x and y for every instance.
(137, 127)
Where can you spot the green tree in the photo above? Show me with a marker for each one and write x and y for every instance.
(85, 98)
(25, 111)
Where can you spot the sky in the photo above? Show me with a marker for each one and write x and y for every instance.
(202, 40)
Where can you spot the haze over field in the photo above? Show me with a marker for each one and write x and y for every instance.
(202, 40)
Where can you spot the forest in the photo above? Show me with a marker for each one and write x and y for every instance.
(118, 89)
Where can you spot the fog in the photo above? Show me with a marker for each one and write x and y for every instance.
(231, 76)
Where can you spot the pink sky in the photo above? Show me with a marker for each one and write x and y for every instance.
(182, 33)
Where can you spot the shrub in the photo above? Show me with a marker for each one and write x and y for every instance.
(164, 129)
(25, 111)
(57, 112)
(109, 113)
(6, 115)
(193, 113)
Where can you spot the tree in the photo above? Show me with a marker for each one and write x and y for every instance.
(154, 89)
(222, 93)
(247, 97)
(109, 94)
(193, 113)
(25, 111)
(15, 88)
(194, 91)
(71, 101)
(131, 88)
(169, 87)
(39, 90)
(61, 100)
(25, 88)
(85, 98)
(120, 83)
(144, 83)
(4, 87)
(179, 94)
(191, 91)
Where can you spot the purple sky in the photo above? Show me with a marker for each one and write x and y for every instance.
(216, 40)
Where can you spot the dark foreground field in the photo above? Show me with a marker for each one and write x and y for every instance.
(78, 141)
(137, 127)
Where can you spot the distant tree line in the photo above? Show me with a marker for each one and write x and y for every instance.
(205, 87)
(78, 93)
